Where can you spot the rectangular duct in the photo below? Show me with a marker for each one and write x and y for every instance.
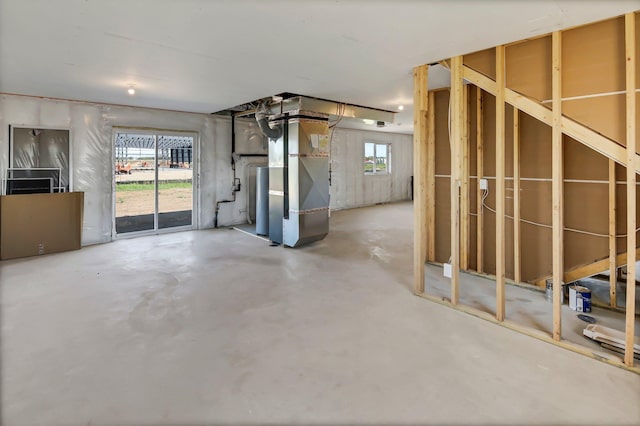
(336, 109)
(332, 109)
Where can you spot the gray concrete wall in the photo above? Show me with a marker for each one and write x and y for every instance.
(91, 127)
(91, 138)
(350, 186)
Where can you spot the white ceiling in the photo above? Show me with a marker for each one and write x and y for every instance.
(205, 56)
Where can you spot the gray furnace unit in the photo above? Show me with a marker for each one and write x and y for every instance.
(298, 132)
(299, 179)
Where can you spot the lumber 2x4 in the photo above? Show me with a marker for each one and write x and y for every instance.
(480, 174)
(613, 246)
(431, 178)
(589, 269)
(631, 118)
(500, 184)
(464, 186)
(557, 182)
(517, 275)
(571, 128)
(457, 123)
(420, 107)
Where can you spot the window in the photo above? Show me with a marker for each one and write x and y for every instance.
(377, 158)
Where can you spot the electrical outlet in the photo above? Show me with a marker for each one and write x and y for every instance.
(484, 184)
(447, 271)
(236, 185)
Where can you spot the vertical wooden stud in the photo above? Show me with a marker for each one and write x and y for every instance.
(420, 108)
(517, 263)
(557, 182)
(431, 178)
(480, 173)
(613, 250)
(500, 184)
(464, 185)
(457, 123)
(630, 56)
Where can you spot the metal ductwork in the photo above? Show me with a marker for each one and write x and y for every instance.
(262, 117)
(298, 132)
(299, 179)
(334, 110)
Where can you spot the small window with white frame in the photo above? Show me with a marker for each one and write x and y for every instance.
(377, 158)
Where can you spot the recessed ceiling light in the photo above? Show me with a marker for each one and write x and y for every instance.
(367, 121)
(400, 107)
(131, 90)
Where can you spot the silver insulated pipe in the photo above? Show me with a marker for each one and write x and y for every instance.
(262, 116)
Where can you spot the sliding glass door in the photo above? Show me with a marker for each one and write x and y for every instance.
(153, 181)
(175, 181)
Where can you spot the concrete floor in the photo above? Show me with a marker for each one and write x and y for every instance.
(215, 327)
(599, 286)
(527, 307)
(144, 222)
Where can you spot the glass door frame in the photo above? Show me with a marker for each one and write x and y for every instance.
(194, 181)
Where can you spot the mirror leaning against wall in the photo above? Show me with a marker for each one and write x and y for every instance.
(39, 213)
(39, 161)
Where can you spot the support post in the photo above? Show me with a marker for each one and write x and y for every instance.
(557, 182)
(480, 174)
(613, 249)
(500, 184)
(631, 123)
(420, 107)
(464, 186)
(431, 178)
(457, 123)
(517, 275)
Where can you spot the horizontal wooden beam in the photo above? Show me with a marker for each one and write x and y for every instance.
(575, 130)
(589, 269)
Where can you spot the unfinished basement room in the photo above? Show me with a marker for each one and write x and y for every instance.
(319, 212)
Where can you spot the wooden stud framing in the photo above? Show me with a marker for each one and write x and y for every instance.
(500, 184)
(464, 185)
(457, 121)
(588, 270)
(480, 174)
(557, 183)
(420, 106)
(431, 178)
(560, 125)
(517, 262)
(571, 128)
(630, 56)
(613, 250)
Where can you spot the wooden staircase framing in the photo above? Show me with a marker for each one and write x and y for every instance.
(560, 124)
